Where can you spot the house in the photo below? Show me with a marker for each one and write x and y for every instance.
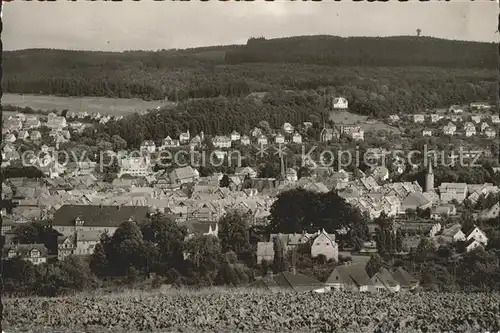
(453, 234)
(262, 140)
(291, 175)
(340, 103)
(201, 229)
(380, 173)
(235, 136)
(357, 134)
(456, 109)
(23, 135)
(455, 118)
(327, 135)
(453, 191)
(265, 251)
(245, 140)
(139, 166)
(476, 119)
(31, 122)
(221, 142)
(478, 235)
(394, 118)
(418, 118)
(196, 142)
(279, 139)
(414, 201)
(70, 219)
(56, 122)
(256, 132)
(472, 244)
(349, 277)
(244, 171)
(307, 125)
(470, 130)
(383, 280)
(484, 126)
(184, 175)
(35, 253)
(297, 138)
(148, 146)
(495, 119)
(324, 244)
(480, 105)
(20, 116)
(86, 241)
(490, 213)
(168, 142)
(184, 138)
(35, 136)
(287, 128)
(289, 281)
(441, 211)
(436, 117)
(450, 129)
(406, 281)
(490, 132)
(10, 138)
(12, 125)
(426, 132)
(65, 247)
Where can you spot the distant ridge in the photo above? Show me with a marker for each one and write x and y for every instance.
(367, 51)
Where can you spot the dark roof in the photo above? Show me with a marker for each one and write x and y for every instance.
(99, 216)
(352, 274)
(289, 281)
(403, 277)
(24, 249)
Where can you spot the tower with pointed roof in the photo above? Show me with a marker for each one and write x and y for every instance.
(429, 178)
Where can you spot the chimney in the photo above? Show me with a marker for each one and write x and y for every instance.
(293, 270)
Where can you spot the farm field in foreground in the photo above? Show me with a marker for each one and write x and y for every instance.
(104, 105)
(256, 311)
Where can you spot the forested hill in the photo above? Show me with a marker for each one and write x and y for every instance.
(367, 51)
(297, 63)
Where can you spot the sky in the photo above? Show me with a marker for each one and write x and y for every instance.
(147, 25)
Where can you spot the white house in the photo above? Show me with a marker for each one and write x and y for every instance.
(436, 117)
(297, 138)
(426, 132)
(221, 142)
(340, 103)
(184, 137)
(490, 132)
(453, 191)
(394, 118)
(324, 244)
(495, 119)
(235, 136)
(456, 109)
(472, 244)
(168, 142)
(148, 146)
(10, 138)
(478, 235)
(279, 139)
(245, 140)
(291, 175)
(262, 140)
(476, 119)
(480, 105)
(418, 118)
(450, 129)
(470, 130)
(287, 128)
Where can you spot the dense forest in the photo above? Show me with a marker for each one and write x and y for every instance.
(416, 71)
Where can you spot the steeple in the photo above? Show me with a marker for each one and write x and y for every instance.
(429, 177)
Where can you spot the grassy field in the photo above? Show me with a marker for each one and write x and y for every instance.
(104, 105)
(344, 117)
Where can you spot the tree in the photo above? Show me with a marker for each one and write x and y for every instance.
(419, 32)
(234, 235)
(99, 261)
(374, 265)
(224, 182)
(204, 258)
(280, 262)
(399, 241)
(425, 249)
(118, 143)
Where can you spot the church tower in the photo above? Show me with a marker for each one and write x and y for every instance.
(429, 178)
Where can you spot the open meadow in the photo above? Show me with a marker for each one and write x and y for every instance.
(255, 311)
(103, 105)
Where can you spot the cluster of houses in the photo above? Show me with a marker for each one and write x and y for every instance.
(348, 277)
(471, 125)
(471, 239)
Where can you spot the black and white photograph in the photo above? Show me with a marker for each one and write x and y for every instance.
(250, 166)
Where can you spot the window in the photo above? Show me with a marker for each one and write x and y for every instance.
(336, 278)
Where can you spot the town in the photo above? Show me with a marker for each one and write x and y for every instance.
(80, 200)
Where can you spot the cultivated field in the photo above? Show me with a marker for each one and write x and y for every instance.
(344, 117)
(255, 311)
(104, 105)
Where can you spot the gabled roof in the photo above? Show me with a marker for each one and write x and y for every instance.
(351, 274)
(111, 216)
(403, 277)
